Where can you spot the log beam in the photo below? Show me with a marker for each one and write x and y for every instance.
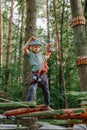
(15, 105)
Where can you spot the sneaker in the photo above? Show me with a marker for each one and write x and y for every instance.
(49, 108)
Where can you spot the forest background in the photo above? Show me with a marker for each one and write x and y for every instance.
(63, 73)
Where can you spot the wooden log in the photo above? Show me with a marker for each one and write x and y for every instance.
(21, 111)
(59, 122)
(83, 98)
(15, 105)
(12, 127)
(59, 114)
(83, 104)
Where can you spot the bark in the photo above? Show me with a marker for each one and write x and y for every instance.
(0, 34)
(8, 50)
(61, 73)
(1, 42)
(20, 46)
(48, 37)
(29, 32)
(68, 72)
(85, 10)
(48, 30)
(57, 29)
(80, 41)
(85, 13)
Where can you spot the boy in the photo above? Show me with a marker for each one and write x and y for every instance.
(39, 77)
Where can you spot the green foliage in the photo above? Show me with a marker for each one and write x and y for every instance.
(15, 82)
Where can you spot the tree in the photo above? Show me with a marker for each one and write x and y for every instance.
(21, 11)
(85, 14)
(0, 39)
(29, 32)
(85, 10)
(8, 50)
(78, 22)
(59, 50)
(0, 34)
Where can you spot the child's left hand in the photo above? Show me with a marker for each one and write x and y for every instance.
(48, 48)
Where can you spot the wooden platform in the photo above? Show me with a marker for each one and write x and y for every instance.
(41, 112)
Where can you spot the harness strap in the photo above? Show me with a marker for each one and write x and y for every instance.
(39, 72)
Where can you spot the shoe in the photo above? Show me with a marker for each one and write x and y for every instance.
(49, 108)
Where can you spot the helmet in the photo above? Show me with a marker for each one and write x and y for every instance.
(35, 42)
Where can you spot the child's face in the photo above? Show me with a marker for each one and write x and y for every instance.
(36, 48)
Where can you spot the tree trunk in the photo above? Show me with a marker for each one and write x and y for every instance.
(0, 35)
(62, 79)
(8, 50)
(48, 37)
(48, 29)
(1, 43)
(80, 43)
(29, 32)
(85, 10)
(85, 13)
(20, 44)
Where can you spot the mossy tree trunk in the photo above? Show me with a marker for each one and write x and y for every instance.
(80, 42)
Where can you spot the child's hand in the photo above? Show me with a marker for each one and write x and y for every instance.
(48, 48)
(32, 39)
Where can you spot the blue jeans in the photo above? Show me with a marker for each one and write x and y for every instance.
(43, 84)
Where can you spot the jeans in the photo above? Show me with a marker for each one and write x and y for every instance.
(43, 84)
